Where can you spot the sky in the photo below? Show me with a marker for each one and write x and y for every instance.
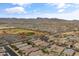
(68, 11)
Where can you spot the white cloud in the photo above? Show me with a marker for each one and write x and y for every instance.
(22, 4)
(61, 5)
(68, 16)
(61, 10)
(40, 1)
(15, 10)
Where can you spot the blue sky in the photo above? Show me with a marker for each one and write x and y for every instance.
(32, 10)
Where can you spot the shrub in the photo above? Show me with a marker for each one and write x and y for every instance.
(29, 42)
(30, 33)
(45, 50)
(20, 52)
(13, 46)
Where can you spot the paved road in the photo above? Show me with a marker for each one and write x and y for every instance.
(10, 51)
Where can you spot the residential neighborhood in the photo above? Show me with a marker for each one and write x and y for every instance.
(28, 41)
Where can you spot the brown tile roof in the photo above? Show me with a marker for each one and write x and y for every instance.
(40, 43)
(37, 53)
(57, 49)
(76, 54)
(29, 50)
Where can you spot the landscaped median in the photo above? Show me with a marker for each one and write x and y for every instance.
(13, 50)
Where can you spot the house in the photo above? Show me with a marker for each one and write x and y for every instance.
(25, 47)
(53, 54)
(69, 44)
(73, 38)
(76, 46)
(51, 39)
(30, 50)
(40, 43)
(76, 54)
(68, 52)
(61, 41)
(56, 48)
(2, 49)
(37, 53)
(21, 45)
(2, 54)
(18, 43)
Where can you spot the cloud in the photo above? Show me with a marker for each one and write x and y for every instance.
(40, 1)
(22, 4)
(60, 6)
(19, 4)
(63, 5)
(13, 10)
(61, 10)
(67, 16)
(61, 14)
